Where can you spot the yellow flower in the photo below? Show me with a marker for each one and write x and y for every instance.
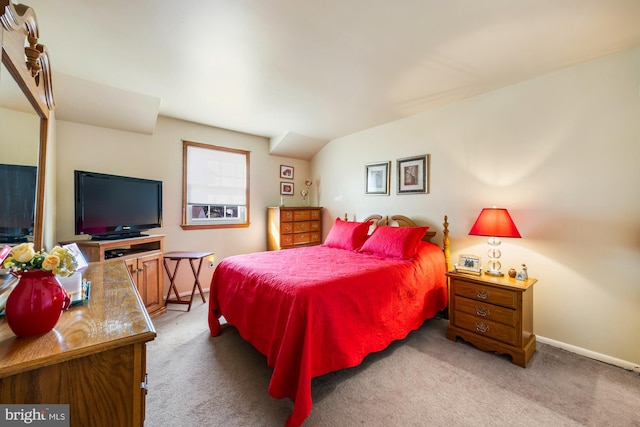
(23, 252)
(60, 261)
(50, 262)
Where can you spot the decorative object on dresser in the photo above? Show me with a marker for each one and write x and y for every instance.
(494, 223)
(35, 304)
(493, 313)
(306, 194)
(289, 227)
(143, 257)
(95, 360)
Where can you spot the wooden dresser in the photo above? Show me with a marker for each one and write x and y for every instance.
(493, 313)
(290, 227)
(93, 360)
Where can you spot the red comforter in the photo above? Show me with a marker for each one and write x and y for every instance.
(315, 310)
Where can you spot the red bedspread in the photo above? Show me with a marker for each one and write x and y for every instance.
(315, 310)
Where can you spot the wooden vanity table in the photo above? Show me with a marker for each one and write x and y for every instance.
(93, 360)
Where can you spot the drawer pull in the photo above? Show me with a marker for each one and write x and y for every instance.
(482, 294)
(481, 311)
(481, 327)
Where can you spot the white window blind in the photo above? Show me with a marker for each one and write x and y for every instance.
(216, 187)
(216, 177)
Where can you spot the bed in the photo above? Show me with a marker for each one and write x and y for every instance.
(315, 310)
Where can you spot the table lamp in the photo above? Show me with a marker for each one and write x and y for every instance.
(494, 223)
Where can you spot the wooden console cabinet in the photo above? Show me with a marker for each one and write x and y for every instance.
(291, 227)
(93, 360)
(143, 256)
(493, 313)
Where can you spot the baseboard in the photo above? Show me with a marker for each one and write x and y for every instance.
(629, 366)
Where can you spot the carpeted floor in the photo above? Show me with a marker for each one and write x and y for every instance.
(424, 380)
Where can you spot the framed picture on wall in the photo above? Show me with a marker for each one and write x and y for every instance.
(413, 174)
(377, 178)
(286, 172)
(286, 188)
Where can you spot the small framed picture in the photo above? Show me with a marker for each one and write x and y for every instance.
(77, 255)
(413, 174)
(286, 188)
(377, 178)
(286, 172)
(468, 264)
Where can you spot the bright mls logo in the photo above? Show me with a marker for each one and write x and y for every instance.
(37, 415)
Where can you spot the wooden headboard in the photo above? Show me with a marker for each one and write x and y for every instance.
(403, 221)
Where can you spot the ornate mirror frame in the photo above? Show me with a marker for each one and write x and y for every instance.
(28, 63)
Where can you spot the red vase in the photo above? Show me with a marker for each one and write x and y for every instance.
(36, 303)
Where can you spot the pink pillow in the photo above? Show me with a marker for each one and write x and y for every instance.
(394, 242)
(347, 235)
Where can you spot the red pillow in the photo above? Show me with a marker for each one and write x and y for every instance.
(347, 235)
(394, 242)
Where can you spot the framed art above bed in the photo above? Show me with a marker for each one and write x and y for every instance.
(413, 174)
(377, 178)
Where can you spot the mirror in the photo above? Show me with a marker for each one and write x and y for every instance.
(25, 64)
(19, 145)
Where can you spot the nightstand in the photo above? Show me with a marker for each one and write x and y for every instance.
(493, 314)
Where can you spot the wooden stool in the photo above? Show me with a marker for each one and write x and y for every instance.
(178, 257)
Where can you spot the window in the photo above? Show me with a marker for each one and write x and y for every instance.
(215, 186)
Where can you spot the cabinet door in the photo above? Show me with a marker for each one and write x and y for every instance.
(150, 281)
(132, 265)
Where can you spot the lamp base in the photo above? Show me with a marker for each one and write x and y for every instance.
(494, 273)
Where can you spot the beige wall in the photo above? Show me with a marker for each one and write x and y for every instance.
(159, 156)
(562, 153)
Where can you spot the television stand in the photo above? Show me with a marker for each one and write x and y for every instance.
(143, 256)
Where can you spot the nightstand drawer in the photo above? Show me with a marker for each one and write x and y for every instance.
(480, 326)
(482, 310)
(484, 293)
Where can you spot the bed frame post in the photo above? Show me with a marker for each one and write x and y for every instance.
(445, 243)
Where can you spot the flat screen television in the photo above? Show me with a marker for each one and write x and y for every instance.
(17, 202)
(116, 207)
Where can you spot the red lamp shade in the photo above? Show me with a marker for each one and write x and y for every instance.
(494, 222)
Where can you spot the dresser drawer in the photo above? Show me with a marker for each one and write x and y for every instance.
(485, 293)
(480, 326)
(483, 310)
(304, 226)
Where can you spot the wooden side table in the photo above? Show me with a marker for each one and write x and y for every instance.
(178, 257)
(493, 313)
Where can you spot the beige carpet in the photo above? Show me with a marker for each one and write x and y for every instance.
(424, 380)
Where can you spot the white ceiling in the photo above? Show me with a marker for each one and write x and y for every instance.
(303, 72)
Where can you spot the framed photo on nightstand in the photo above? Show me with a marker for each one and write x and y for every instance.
(469, 264)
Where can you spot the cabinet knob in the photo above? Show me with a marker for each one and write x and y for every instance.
(144, 385)
(481, 327)
(483, 311)
(482, 294)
